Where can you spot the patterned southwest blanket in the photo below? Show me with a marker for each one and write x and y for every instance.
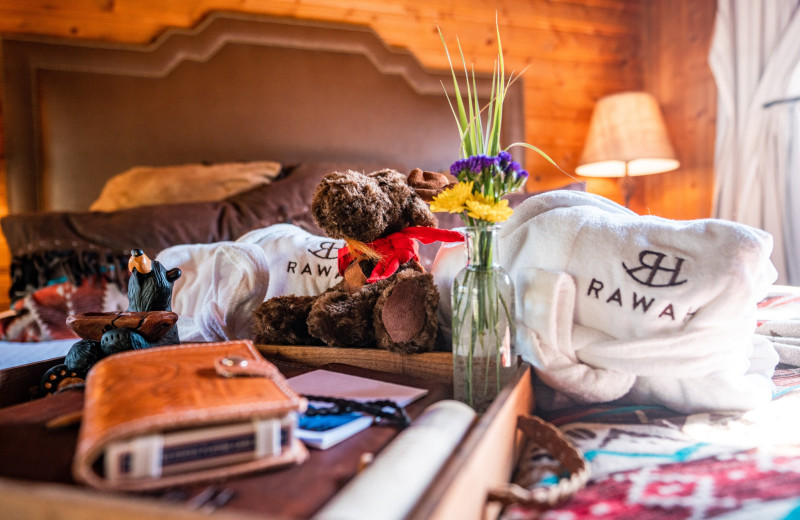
(42, 314)
(650, 462)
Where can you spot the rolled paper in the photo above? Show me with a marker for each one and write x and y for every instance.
(393, 483)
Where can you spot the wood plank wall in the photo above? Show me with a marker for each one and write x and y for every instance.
(676, 71)
(572, 52)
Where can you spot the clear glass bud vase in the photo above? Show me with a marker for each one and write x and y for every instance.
(484, 358)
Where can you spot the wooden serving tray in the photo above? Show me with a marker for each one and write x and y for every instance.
(437, 366)
(484, 459)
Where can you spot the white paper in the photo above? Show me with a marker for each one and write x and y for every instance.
(345, 386)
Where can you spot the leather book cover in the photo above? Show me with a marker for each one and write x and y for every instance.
(173, 391)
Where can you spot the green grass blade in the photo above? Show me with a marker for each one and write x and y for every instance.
(461, 120)
(545, 156)
(498, 92)
(476, 116)
(474, 119)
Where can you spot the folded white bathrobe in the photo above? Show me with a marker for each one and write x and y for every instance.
(610, 304)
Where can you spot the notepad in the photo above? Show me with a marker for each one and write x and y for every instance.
(322, 432)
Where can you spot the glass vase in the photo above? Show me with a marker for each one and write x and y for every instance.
(484, 359)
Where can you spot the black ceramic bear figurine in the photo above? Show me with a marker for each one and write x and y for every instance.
(149, 321)
(149, 289)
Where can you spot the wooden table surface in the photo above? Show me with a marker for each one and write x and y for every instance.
(29, 451)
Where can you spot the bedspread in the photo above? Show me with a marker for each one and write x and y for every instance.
(652, 462)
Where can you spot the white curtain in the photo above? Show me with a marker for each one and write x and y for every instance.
(755, 53)
(792, 211)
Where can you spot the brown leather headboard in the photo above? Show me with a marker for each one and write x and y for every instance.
(236, 87)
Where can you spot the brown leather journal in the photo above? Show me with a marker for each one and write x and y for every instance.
(165, 416)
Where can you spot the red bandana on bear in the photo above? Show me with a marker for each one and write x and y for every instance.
(398, 248)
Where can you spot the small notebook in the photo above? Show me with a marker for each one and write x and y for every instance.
(162, 417)
(324, 431)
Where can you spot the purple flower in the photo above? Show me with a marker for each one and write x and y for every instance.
(475, 164)
(504, 159)
(459, 166)
(503, 165)
(480, 163)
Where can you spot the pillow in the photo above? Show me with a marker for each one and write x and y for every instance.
(148, 186)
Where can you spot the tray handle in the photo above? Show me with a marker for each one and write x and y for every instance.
(546, 436)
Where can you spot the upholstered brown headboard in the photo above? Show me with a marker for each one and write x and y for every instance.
(236, 87)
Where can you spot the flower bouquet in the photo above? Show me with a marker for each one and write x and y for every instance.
(482, 293)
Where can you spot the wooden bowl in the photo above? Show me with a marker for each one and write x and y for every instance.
(152, 325)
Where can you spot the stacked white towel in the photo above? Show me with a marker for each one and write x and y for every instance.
(779, 321)
(223, 283)
(611, 304)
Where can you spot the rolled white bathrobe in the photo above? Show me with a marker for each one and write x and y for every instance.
(222, 283)
(611, 304)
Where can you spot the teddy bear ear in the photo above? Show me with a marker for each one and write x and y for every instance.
(428, 184)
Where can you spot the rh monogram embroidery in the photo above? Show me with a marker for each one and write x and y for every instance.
(327, 251)
(650, 277)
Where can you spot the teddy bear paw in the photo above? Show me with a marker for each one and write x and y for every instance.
(405, 314)
(341, 319)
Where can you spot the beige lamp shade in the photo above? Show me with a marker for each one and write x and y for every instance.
(627, 136)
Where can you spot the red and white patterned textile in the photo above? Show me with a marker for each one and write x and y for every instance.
(649, 462)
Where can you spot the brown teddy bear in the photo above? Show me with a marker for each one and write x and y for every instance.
(385, 297)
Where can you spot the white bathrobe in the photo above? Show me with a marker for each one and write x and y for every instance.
(610, 304)
(222, 283)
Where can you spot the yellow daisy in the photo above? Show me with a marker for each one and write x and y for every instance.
(453, 200)
(488, 209)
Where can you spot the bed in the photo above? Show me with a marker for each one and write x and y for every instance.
(242, 92)
(236, 92)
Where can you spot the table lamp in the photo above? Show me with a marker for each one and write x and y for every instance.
(627, 137)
